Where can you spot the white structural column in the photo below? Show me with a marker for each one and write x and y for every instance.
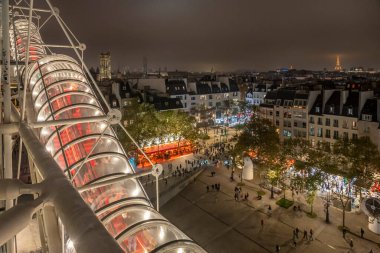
(7, 151)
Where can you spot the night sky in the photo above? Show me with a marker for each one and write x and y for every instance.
(225, 35)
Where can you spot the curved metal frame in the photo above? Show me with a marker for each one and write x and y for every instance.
(63, 72)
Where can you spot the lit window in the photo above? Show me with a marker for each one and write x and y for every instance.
(350, 111)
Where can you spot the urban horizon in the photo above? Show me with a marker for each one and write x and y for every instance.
(135, 68)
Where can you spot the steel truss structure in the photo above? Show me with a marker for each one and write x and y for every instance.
(82, 175)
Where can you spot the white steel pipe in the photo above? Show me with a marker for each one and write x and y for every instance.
(17, 218)
(113, 181)
(80, 222)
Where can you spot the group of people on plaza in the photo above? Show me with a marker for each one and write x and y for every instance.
(239, 194)
(214, 187)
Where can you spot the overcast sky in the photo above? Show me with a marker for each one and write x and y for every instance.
(225, 34)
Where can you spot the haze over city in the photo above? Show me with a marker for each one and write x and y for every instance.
(226, 35)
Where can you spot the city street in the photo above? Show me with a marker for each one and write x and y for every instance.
(226, 225)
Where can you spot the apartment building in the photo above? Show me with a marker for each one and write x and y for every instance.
(323, 115)
(335, 114)
(288, 111)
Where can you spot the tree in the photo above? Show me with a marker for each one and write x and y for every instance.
(179, 124)
(260, 137)
(310, 197)
(140, 121)
(312, 182)
(357, 160)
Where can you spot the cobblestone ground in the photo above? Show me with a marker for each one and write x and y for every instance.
(221, 224)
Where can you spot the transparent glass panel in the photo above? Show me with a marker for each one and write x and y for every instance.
(105, 195)
(128, 217)
(150, 237)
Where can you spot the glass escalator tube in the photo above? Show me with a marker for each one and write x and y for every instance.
(60, 90)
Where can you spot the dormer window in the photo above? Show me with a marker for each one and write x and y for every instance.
(367, 117)
(317, 109)
(350, 111)
(331, 109)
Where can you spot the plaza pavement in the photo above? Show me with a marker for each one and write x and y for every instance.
(220, 224)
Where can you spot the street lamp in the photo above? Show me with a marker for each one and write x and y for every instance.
(328, 199)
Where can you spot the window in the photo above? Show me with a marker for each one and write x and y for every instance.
(295, 123)
(367, 117)
(336, 135)
(320, 121)
(209, 96)
(354, 136)
(114, 103)
(311, 131)
(287, 133)
(303, 124)
(278, 102)
(320, 132)
(345, 124)
(277, 114)
(350, 111)
(209, 103)
(354, 125)
(277, 122)
(336, 123)
(192, 98)
(312, 120)
(327, 133)
(203, 97)
(317, 109)
(327, 122)
(331, 109)
(345, 135)
(271, 113)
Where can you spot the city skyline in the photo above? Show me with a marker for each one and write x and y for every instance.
(225, 36)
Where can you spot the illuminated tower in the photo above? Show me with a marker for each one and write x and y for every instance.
(338, 67)
(105, 66)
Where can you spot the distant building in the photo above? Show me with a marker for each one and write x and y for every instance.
(105, 66)
(338, 67)
(256, 94)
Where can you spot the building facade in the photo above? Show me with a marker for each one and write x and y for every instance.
(105, 66)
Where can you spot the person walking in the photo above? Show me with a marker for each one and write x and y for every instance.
(305, 235)
(208, 188)
(351, 244)
(311, 235)
(277, 248)
(262, 224)
(344, 231)
(361, 232)
(297, 232)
